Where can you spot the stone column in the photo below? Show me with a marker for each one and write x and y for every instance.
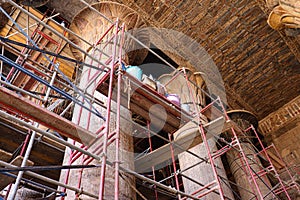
(238, 166)
(91, 26)
(200, 172)
(284, 14)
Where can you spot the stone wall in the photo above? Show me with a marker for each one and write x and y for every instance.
(282, 128)
(288, 146)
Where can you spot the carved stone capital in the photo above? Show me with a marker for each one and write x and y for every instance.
(284, 14)
(90, 25)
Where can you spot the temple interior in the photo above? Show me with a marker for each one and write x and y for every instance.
(149, 100)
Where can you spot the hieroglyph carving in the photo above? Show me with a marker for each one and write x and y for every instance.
(279, 118)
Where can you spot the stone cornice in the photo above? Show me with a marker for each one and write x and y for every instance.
(281, 120)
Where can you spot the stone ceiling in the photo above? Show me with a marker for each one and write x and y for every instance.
(260, 66)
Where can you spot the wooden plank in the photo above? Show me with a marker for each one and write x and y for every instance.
(185, 138)
(143, 99)
(22, 129)
(140, 109)
(43, 116)
(5, 156)
(6, 180)
(279, 164)
(144, 91)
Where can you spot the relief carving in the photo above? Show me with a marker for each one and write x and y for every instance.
(281, 117)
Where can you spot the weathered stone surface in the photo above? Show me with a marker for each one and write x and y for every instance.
(239, 165)
(91, 26)
(202, 172)
(288, 114)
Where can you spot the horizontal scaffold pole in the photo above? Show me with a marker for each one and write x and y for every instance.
(43, 81)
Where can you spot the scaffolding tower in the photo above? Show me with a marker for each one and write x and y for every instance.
(38, 94)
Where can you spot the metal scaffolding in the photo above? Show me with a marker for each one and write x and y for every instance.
(37, 95)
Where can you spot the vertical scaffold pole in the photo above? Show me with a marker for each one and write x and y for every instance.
(20, 174)
(174, 165)
(153, 168)
(117, 136)
(108, 114)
